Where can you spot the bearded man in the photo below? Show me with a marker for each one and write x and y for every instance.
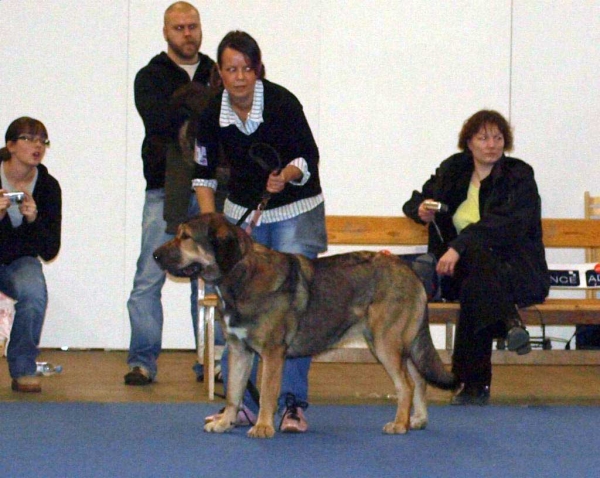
(154, 87)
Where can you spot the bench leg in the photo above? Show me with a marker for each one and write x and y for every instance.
(200, 332)
(209, 351)
(449, 335)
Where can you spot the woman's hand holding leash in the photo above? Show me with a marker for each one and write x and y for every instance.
(278, 179)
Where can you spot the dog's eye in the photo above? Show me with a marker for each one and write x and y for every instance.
(184, 235)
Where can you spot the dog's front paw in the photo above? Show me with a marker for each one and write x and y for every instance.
(418, 422)
(218, 426)
(393, 428)
(261, 431)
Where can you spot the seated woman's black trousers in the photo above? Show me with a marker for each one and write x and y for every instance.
(487, 311)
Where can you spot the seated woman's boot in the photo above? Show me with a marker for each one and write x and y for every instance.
(517, 338)
(472, 394)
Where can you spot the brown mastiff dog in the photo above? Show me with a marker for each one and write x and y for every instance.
(285, 305)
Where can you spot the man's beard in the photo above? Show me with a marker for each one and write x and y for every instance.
(182, 53)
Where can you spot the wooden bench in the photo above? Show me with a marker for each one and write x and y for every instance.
(401, 231)
(384, 232)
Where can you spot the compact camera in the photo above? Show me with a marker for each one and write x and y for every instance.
(435, 206)
(15, 198)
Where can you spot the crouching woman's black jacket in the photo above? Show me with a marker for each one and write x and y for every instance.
(40, 238)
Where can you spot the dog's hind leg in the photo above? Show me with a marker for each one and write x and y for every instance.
(240, 366)
(386, 329)
(272, 370)
(404, 391)
(419, 418)
(395, 366)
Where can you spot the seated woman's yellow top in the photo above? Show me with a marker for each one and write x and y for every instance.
(468, 212)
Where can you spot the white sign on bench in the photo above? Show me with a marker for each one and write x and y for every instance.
(575, 276)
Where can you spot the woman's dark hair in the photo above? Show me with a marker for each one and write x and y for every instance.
(247, 46)
(22, 125)
(481, 119)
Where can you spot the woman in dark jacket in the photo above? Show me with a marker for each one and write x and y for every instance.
(488, 242)
(30, 228)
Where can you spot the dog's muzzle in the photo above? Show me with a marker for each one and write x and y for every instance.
(192, 270)
(169, 260)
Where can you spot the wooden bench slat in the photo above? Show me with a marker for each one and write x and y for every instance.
(402, 231)
(363, 230)
(499, 357)
(551, 312)
(571, 233)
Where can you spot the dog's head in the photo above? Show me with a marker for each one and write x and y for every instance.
(207, 246)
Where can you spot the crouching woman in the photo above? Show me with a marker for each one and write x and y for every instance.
(30, 227)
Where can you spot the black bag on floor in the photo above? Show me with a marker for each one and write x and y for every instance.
(587, 337)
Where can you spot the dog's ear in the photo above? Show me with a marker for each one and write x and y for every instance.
(230, 243)
(188, 101)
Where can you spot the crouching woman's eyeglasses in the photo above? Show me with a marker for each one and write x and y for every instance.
(28, 138)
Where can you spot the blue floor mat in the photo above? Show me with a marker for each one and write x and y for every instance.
(167, 440)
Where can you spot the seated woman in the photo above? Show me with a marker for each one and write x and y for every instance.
(30, 225)
(488, 242)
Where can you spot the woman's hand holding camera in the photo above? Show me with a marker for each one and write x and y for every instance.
(4, 203)
(426, 214)
(28, 208)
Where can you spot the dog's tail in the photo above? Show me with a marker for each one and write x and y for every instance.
(427, 360)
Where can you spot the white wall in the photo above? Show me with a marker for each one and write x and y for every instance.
(386, 86)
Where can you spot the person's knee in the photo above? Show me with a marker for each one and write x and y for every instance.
(28, 281)
(479, 260)
(34, 295)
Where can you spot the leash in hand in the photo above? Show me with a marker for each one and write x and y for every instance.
(262, 205)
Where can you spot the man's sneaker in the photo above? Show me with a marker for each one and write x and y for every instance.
(293, 420)
(199, 369)
(475, 394)
(27, 384)
(218, 373)
(245, 417)
(138, 376)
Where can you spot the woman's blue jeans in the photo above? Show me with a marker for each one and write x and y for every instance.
(24, 281)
